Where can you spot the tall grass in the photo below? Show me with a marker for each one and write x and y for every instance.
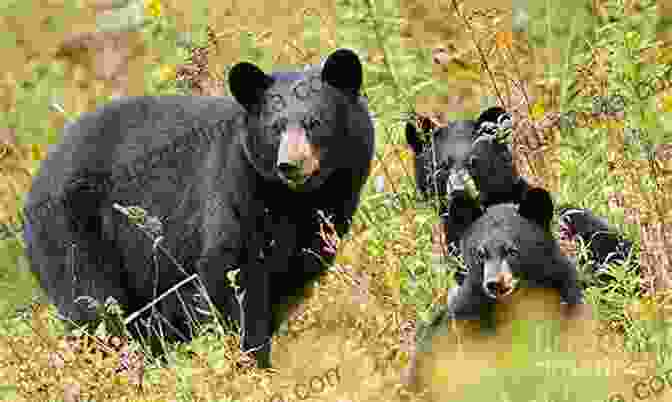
(541, 74)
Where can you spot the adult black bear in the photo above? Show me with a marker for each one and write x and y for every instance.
(239, 183)
(466, 149)
(606, 244)
(505, 247)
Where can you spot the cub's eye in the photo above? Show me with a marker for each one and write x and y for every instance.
(443, 165)
(471, 162)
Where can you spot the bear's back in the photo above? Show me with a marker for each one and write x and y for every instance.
(123, 130)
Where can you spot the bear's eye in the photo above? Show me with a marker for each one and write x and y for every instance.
(512, 252)
(471, 162)
(279, 126)
(312, 123)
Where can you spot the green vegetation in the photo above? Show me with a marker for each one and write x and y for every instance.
(613, 53)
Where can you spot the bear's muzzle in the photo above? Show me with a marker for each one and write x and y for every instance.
(297, 158)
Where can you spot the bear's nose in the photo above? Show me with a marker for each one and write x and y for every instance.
(498, 288)
(494, 288)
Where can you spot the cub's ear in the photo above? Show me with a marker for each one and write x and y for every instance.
(567, 208)
(494, 117)
(248, 84)
(538, 207)
(343, 70)
(413, 139)
(494, 114)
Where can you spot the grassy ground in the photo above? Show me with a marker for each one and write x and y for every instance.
(360, 321)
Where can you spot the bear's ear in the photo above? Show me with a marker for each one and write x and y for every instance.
(412, 138)
(248, 84)
(494, 117)
(538, 207)
(565, 208)
(494, 114)
(343, 70)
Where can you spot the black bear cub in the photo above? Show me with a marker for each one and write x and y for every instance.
(606, 244)
(240, 183)
(463, 150)
(506, 248)
(466, 147)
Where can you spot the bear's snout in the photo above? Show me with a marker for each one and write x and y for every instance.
(498, 281)
(297, 159)
(461, 180)
(500, 287)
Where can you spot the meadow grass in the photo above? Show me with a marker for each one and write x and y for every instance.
(386, 276)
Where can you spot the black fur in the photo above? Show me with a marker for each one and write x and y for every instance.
(517, 237)
(207, 166)
(476, 148)
(606, 244)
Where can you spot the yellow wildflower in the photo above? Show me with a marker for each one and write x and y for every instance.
(167, 73)
(538, 110)
(38, 152)
(667, 104)
(153, 8)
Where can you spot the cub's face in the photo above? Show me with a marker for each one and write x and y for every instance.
(448, 157)
(503, 248)
(444, 152)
